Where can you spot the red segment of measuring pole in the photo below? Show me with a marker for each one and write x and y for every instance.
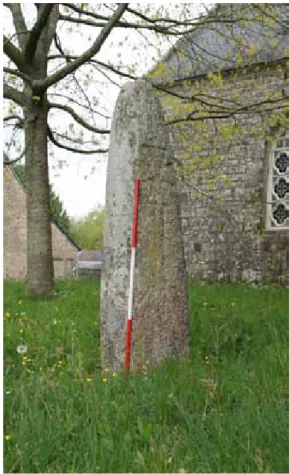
(128, 345)
(131, 276)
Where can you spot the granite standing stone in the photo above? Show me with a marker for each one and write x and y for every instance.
(140, 148)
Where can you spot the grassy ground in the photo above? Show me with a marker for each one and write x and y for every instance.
(222, 411)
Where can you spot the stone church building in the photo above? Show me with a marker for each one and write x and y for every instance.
(226, 109)
(64, 249)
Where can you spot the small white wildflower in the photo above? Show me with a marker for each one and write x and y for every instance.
(21, 349)
(23, 314)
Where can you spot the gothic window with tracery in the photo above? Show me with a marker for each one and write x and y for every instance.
(278, 186)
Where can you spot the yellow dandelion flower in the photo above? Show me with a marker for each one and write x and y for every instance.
(114, 374)
(88, 379)
(104, 379)
(8, 315)
(106, 370)
(7, 438)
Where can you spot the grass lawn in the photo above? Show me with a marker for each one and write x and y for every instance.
(224, 410)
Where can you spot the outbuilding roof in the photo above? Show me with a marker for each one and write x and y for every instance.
(90, 256)
(89, 260)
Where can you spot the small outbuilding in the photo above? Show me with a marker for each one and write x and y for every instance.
(88, 264)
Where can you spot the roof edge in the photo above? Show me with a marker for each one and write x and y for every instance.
(52, 219)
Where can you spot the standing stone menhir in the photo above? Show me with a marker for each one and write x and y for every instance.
(140, 148)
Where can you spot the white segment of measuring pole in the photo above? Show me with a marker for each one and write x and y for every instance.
(131, 282)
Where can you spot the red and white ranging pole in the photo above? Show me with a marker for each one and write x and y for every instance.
(131, 276)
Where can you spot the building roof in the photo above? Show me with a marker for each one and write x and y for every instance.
(90, 256)
(63, 231)
(89, 260)
(66, 233)
(222, 42)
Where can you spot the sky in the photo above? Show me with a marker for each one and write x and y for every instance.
(79, 188)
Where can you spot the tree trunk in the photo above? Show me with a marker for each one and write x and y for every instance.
(40, 278)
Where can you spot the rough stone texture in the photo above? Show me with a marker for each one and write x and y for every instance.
(224, 231)
(140, 148)
(15, 235)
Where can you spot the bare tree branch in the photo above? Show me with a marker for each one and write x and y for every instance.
(13, 53)
(212, 115)
(36, 31)
(94, 61)
(77, 118)
(106, 76)
(13, 117)
(81, 11)
(74, 150)
(84, 94)
(71, 99)
(19, 23)
(8, 162)
(160, 25)
(15, 95)
(115, 71)
(17, 73)
(73, 139)
(126, 24)
(71, 67)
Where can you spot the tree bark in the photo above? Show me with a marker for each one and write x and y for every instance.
(40, 278)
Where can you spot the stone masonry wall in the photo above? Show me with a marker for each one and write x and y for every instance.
(15, 235)
(64, 254)
(224, 183)
(14, 227)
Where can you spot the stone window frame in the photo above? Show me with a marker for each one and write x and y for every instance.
(269, 183)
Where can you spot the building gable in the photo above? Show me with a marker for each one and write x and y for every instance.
(64, 249)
